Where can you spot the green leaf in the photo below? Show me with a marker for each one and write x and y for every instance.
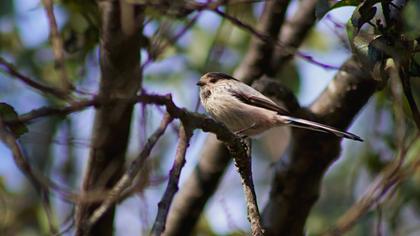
(8, 114)
(411, 15)
(351, 31)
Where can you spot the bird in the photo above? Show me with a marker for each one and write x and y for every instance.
(248, 113)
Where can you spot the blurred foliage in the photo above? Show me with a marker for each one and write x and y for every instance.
(317, 41)
(377, 38)
(411, 13)
(8, 114)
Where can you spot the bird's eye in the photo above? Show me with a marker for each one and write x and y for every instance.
(213, 80)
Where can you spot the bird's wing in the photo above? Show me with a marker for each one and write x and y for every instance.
(259, 100)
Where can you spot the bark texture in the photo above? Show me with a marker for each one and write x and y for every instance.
(298, 176)
(120, 78)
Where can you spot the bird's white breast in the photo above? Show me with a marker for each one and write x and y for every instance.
(236, 115)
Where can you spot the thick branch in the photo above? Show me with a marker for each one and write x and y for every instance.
(292, 34)
(257, 58)
(120, 77)
(126, 180)
(297, 177)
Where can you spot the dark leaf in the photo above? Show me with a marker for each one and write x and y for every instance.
(346, 3)
(414, 69)
(405, 81)
(364, 13)
(6, 7)
(8, 114)
(322, 7)
(377, 49)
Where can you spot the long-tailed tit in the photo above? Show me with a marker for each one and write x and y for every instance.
(247, 112)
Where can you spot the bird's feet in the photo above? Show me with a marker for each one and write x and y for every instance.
(241, 133)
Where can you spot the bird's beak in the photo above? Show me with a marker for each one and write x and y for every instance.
(200, 83)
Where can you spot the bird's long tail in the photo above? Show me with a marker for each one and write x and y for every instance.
(306, 124)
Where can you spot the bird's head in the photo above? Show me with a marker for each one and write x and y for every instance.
(211, 79)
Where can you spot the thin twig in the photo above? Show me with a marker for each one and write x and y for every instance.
(214, 6)
(71, 223)
(379, 221)
(42, 184)
(57, 44)
(195, 120)
(405, 81)
(18, 155)
(160, 49)
(163, 206)
(57, 111)
(46, 204)
(128, 177)
(11, 142)
(13, 72)
(244, 166)
(270, 40)
(390, 178)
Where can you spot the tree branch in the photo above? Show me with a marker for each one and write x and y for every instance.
(18, 156)
(406, 84)
(120, 77)
(297, 177)
(127, 179)
(389, 179)
(292, 34)
(269, 23)
(10, 141)
(32, 83)
(174, 175)
(244, 167)
(192, 197)
(269, 40)
(57, 44)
